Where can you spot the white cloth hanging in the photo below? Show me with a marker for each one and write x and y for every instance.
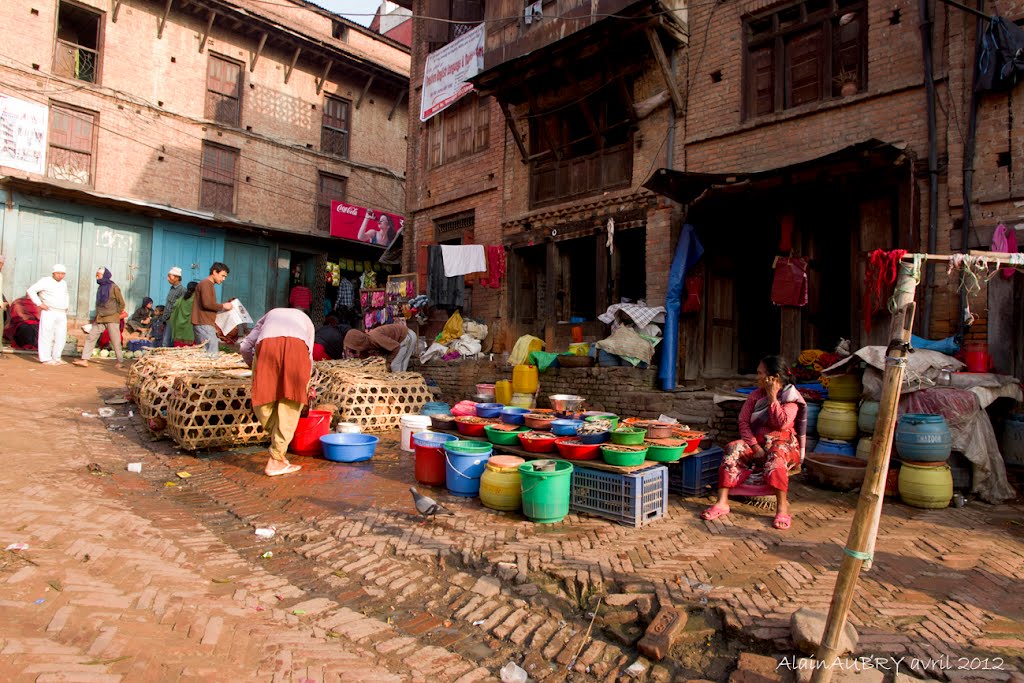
(463, 259)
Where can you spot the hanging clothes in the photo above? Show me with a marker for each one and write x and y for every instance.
(495, 267)
(463, 259)
(443, 291)
(789, 286)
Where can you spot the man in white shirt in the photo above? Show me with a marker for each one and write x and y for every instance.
(50, 294)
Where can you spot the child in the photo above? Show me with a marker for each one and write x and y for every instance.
(156, 329)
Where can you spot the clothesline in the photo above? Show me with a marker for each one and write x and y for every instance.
(995, 258)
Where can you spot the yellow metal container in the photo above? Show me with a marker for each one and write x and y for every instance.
(500, 485)
(838, 420)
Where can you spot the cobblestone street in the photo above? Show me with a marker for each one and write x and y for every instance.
(150, 576)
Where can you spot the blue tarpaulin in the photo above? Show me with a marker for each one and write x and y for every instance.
(688, 252)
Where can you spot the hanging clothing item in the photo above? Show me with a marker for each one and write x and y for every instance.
(789, 286)
(463, 259)
(1001, 57)
(495, 267)
(1004, 239)
(443, 291)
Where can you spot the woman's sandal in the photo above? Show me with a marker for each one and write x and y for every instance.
(714, 512)
(287, 469)
(782, 522)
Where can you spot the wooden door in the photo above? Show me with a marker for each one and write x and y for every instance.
(721, 347)
(124, 249)
(43, 239)
(249, 278)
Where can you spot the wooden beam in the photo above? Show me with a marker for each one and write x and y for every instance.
(366, 89)
(116, 8)
(398, 101)
(516, 135)
(206, 33)
(291, 67)
(255, 56)
(163, 20)
(666, 68)
(323, 76)
(647, 107)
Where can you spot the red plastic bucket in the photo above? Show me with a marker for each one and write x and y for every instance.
(306, 440)
(976, 357)
(429, 468)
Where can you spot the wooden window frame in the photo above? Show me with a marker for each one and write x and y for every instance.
(460, 131)
(100, 35)
(204, 179)
(211, 110)
(453, 229)
(73, 110)
(327, 130)
(775, 32)
(323, 201)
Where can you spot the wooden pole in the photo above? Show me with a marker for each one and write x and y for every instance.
(861, 540)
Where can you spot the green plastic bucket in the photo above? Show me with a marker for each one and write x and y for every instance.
(546, 494)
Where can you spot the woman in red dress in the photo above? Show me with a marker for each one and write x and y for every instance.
(772, 426)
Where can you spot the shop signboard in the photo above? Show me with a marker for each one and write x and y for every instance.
(361, 224)
(447, 71)
(23, 134)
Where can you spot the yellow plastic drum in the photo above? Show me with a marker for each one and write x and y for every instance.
(525, 379)
(838, 420)
(500, 485)
(925, 486)
(503, 392)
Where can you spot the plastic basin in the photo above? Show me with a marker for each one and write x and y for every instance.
(470, 428)
(593, 437)
(348, 447)
(566, 427)
(502, 437)
(514, 416)
(538, 421)
(664, 453)
(442, 421)
(571, 448)
(489, 410)
(692, 440)
(628, 436)
(537, 442)
(613, 420)
(659, 430)
(623, 458)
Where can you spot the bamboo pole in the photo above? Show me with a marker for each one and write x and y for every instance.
(861, 540)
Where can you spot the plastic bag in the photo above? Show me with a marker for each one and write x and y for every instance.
(789, 286)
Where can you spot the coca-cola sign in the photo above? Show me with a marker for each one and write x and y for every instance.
(361, 224)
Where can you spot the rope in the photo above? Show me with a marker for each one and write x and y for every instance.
(858, 555)
(912, 271)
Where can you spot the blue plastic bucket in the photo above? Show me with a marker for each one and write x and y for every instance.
(836, 447)
(463, 470)
(436, 408)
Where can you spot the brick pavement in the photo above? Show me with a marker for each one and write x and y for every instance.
(368, 579)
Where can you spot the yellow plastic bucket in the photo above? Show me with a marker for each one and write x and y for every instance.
(500, 484)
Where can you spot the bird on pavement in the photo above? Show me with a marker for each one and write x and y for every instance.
(427, 506)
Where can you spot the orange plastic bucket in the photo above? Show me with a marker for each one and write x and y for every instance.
(306, 440)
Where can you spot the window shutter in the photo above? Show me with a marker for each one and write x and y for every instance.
(483, 123)
(436, 31)
(804, 54)
(762, 80)
(60, 127)
(81, 132)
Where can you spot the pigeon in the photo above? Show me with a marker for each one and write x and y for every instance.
(426, 506)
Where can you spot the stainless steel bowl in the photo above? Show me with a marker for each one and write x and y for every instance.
(564, 403)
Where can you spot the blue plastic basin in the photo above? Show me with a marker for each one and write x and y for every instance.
(489, 410)
(348, 447)
(566, 427)
(513, 416)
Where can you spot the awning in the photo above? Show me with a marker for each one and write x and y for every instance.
(685, 187)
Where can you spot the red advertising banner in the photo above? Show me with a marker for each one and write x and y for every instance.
(361, 224)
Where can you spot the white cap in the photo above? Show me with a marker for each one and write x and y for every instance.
(174, 271)
(59, 268)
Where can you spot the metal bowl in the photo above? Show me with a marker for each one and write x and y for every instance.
(564, 403)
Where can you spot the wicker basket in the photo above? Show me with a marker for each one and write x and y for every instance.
(211, 409)
(153, 359)
(376, 402)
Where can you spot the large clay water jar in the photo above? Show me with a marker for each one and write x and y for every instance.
(500, 485)
(844, 388)
(1011, 444)
(926, 487)
(838, 420)
(867, 416)
(923, 438)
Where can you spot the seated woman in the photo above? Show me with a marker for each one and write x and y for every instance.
(22, 328)
(772, 425)
(141, 318)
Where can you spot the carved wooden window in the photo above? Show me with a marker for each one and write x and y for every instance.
(224, 91)
(220, 174)
(335, 129)
(459, 131)
(72, 140)
(330, 188)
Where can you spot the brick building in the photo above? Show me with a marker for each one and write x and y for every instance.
(785, 128)
(171, 133)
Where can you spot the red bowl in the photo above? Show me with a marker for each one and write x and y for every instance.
(535, 444)
(692, 439)
(571, 449)
(471, 428)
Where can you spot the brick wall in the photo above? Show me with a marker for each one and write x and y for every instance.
(150, 103)
(620, 390)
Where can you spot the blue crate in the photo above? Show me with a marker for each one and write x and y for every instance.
(632, 499)
(692, 475)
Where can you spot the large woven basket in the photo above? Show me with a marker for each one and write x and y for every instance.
(212, 410)
(376, 402)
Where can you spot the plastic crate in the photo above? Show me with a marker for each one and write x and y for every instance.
(632, 499)
(692, 475)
